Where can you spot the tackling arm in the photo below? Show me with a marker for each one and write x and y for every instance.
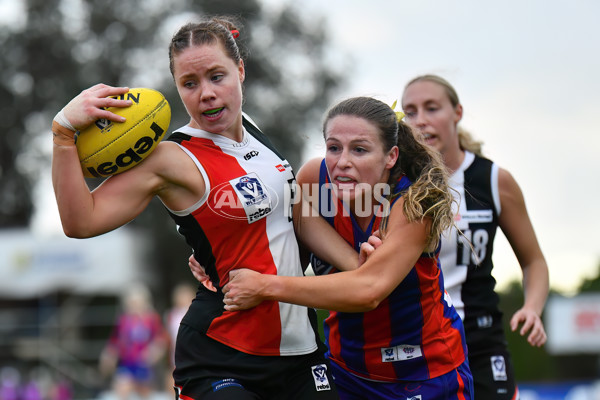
(358, 290)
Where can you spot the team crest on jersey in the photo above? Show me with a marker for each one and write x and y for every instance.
(319, 266)
(401, 352)
(254, 196)
(498, 368)
(247, 193)
(319, 373)
(250, 189)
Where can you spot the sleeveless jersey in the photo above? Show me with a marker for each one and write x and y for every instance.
(413, 335)
(242, 222)
(467, 259)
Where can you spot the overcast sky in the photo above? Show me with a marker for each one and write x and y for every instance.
(527, 76)
(526, 72)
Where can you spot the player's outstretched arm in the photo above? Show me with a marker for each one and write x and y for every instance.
(359, 290)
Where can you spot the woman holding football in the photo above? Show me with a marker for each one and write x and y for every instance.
(272, 351)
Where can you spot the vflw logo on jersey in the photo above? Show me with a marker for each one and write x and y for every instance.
(498, 368)
(400, 353)
(253, 195)
(319, 373)
(247, 193)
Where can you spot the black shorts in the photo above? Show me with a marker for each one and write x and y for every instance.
(207, 369)
(493, 375)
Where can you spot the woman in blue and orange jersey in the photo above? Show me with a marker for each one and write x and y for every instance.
(272, 351)
(392, 332)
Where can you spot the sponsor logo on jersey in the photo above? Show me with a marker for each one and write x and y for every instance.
(417, 397)
(498, 368)
(476, 216)
(251, 154)
(319, 373)
(401, 352)
(247, 193)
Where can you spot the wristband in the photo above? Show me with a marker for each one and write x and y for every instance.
(63, 131)
(62, 136)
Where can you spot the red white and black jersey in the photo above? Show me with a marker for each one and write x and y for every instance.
(467, 259)
(243, 221)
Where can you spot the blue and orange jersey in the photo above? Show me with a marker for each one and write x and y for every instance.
(134, 334)
(414, 334)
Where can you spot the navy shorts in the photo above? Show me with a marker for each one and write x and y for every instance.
(207, 369)
(454, 385)
(137, 372)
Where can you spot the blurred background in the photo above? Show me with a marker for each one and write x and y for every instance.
(527, 76)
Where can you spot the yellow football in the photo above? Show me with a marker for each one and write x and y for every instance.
(107, 148)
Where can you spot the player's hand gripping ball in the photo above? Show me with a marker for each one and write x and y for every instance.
(107, 148)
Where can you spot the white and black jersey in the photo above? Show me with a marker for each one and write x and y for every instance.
(466, 257)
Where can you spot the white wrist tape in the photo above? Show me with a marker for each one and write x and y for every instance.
(63, 121)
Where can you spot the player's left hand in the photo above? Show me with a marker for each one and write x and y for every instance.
(532, 323)
(93, 103)
(367, 248)
(243, 290)
(200, 273)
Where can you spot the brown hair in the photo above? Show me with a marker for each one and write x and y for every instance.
(429, 195)
(217, 29)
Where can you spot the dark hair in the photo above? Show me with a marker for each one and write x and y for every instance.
(217, 29)
(414, 155)
(429, 194)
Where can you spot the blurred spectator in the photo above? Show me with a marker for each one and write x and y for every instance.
(137, 344)
(10, 379)
(62, 390)
(182, 297)
(32, 391)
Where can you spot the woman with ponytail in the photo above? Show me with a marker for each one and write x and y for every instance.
(392, 333)
(488, 197)
(272, 351)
